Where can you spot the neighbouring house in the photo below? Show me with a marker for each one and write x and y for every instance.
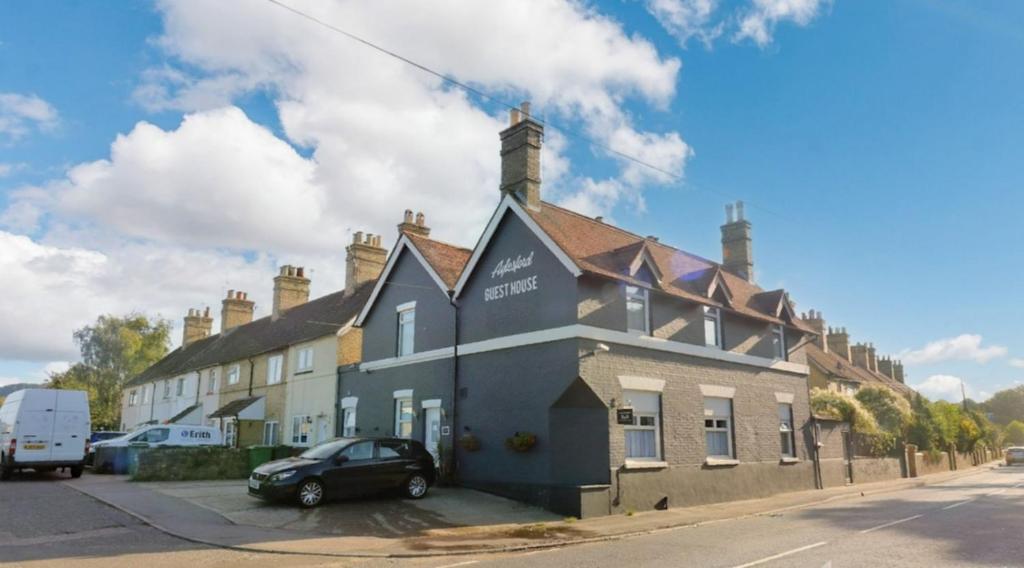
(267, 381)
(570, 363)
(838, 366)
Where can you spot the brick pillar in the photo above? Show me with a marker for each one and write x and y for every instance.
(911, 451)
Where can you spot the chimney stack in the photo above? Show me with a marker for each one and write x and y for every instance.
(291, 288)
(235, 310)
(885, 367)
(520, 157)
(737, 247)
(416, 226)
(859, 355)
(872, 360)
(364, 259)
(897, 371)
(817, 323)
(197, 326)
(839, 342)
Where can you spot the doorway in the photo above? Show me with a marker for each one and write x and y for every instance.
(432, 431)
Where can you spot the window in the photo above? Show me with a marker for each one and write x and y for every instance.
(348, 422)
(211, 385)
(406, 330)
(274, 369)
(181, 387)
(301, 425)
(403, 418)
(636, 309)
(643, 436)
(779, 342)
(167, 388)
(153, 436)
(270, 433)
(718, 427)
(145, 394)
(713, 327)
(304, 360)
(393, 449)
(132, 396)
(787, 436)
(230, 433)
(233, 375)
(359, 451)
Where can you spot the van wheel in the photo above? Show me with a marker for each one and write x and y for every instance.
(310, 493)
(76, 471)
(416, 486)
(5, 472)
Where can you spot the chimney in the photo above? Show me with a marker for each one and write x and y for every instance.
(872, 361)
(520, 157)
(235, 310)
(885, 367)
(897, 371)
(737, 250)
(859, 355)
(839, 342)
(291, 288)
(817, 323)
(197, 326)
(364, 260)
(416, 226)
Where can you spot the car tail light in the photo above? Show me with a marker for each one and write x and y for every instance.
(14, 446)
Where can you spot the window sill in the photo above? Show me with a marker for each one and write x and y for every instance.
(304, 372)
(721, 462)
(787, 459)
(644, 464)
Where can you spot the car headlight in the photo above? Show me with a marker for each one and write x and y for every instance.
(282, 475)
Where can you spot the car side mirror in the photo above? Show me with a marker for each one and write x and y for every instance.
(338, 460)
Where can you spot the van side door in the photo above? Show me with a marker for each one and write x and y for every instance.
(70, 427)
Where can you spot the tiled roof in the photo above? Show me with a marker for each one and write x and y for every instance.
(599, 248)
(836, 366)
(447, 260)
(314, 319)
(234, 407)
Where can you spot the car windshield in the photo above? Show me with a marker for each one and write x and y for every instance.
(326, 449)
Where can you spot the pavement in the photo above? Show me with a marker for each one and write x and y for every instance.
(209, 514)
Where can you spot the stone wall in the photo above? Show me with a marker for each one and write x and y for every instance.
(870, 470)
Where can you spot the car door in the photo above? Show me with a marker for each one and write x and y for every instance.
(356, 473)
(396, 461)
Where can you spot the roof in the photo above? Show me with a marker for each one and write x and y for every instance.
(608, 251)
(234, 407)
(446, 259)
(312, 320)
(183, 413)
(839, 367)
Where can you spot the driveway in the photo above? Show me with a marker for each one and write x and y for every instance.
(384, 516)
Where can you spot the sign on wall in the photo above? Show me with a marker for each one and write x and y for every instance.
(517, 286)
(624, 415)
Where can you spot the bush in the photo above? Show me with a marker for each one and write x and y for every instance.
(192, 464)
(922, 432)
(1014, 433)
(845, 408)
(891, 411)
(521, 441)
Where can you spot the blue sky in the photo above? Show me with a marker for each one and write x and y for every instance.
(876, 144)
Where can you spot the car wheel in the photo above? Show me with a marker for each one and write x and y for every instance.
(416, 486)
(76, 471)
(310, 493)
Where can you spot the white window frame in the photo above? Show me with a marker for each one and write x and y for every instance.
(230, 433)
(713, 315)
(710, 415)
(787, 430)
(133, 397)
(779, 342)
(274, 369)
(636, 426)
(304, 360)
(297, 435)
(234, 371)
(179, 389)
(211, 382)
(398, 416)
(639, 294)
(275, 433)
(167, 388)
(401, 348)
(145, 393)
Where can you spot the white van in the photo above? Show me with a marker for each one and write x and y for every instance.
(157, 435)
(44, 429)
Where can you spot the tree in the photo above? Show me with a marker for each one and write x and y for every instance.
(844, 408)
(891, 411)
(114, 350)
(922, 431)
(968, 434)
(946, 417)
(1007, 405)
(1014, 433)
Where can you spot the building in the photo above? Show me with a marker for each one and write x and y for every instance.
(838, 366)
(267, 381)
(583, 367)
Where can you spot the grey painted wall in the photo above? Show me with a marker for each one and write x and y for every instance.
(434, 313)
(551, 304)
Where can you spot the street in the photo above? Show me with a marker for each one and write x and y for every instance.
(975, 520)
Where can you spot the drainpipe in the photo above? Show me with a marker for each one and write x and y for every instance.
(337, 403)
(152, 403)
(252, 370)
(455, 380)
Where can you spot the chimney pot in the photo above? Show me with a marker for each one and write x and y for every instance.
(599, 219)
(408, 215)
(525, 108)
(420, 219)
(513, 117)
(739, 210)
(728, 213)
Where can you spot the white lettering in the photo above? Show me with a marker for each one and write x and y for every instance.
(513, 288)
(512, 265)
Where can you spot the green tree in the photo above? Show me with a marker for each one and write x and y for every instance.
(844, 408)
(946, 417)
(968, 434)
(114, 350)
(922, 431)
(1014, 433)
(1007, 405)
(891, 411)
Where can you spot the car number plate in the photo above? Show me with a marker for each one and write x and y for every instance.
(253, 484)
(36, 446)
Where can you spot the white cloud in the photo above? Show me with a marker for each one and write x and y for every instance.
(966, 347)
(945, 387)
(758, 22)
(19, 114)
(1017, 362)
(755, 21)
(687, 19)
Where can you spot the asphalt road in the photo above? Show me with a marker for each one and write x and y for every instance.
(972, 521)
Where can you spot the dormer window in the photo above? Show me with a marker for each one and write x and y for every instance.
(779, 342)
(406, 328)
(713, 327)
(637, 313)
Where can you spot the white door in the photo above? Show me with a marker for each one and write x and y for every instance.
(70, 427)
(34, 428)
(432, 431)
(323, 430)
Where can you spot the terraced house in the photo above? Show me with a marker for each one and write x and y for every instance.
(266, 381)
(583, 367)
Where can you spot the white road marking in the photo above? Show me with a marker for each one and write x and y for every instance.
(955, 505)
(466, 563)
(1003, 490)
(889, 524)
(782, 554)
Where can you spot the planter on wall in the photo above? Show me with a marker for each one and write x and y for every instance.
(521, 442)
(469, 442)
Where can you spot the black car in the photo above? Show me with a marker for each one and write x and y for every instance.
(345, 467)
